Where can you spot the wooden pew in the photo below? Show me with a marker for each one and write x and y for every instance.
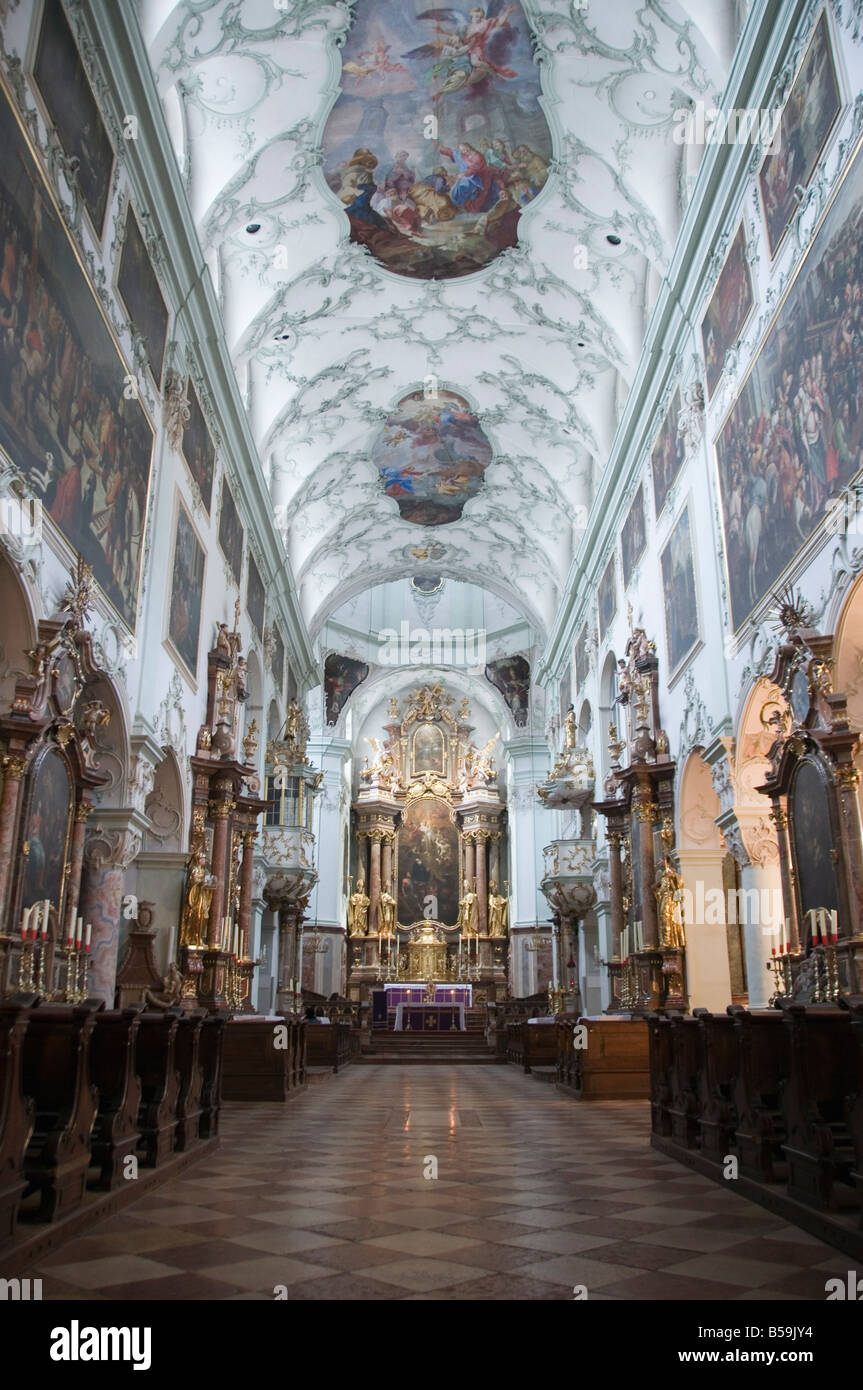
(155, 1062)
(821, 1085)
(328, 1045)
(186, 1053)
(253, 1066)
(661, 1065)
(567, 1071)
(17, 1114)
(57, 1075)
(538, 1044)
(854, 1114)
(112, 1068)
(762, 1068)
(210, 1057)
(686, 1054)
(717, 1117)
(613, 1063)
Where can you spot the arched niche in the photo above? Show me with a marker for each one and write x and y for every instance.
(275, 722)
(165, 809)
(715, 946)
(254, 706)
(17, 631)
(585, 723)
(112, 744)
(161, 864)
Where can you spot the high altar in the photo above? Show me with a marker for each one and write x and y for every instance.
(429, 822)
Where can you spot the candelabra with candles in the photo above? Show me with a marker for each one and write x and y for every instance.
(34, 926)
(77, 962)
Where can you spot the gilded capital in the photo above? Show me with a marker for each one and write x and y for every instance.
(220, 810)
(13, 767)
(82, 811)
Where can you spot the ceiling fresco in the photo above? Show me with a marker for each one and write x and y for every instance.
(432, 455)
(438, 139)
(268, 105)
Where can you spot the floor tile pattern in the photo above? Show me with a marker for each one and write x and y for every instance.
(534, 1195)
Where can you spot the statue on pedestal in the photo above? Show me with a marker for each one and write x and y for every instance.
(200, 884)
(498, 909)
(569, 730)
(386, 913)
(171, 992)
(669, 896)
(468, 912)
(358, 910)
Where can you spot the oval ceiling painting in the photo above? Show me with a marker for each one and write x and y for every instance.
(437, 140)
(432, 454)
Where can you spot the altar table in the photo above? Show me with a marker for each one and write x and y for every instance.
(429, 1018)
(416, 993)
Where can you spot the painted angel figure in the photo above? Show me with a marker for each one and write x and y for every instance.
(466, 53)
(375, 60)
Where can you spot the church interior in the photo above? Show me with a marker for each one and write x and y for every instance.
(431, 651)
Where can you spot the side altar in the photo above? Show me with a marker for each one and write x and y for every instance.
(429, 839)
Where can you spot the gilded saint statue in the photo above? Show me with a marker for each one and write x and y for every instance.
(498, 909)
(200, 884)
(386, 912)
(569, 730)
(358, 910)
(468, 911)
(669, 897)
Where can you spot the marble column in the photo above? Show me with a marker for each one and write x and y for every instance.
(615, 892)
(481, 838)
(645, 812)
(107, 855)
(76, 864)
(220, 812)
(494, 859)
(13, 773)
(387, 862)
(375, 837)
(469, 859)
(246, 875)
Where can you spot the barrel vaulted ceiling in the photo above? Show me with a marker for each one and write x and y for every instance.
(541, 344)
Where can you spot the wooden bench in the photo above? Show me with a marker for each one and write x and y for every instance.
(821, 1086)
(17, 1114)
(762, 1069)
(155, 1061)
(56, 1073)
(186, 1055)
(254, 1064)
(717, 1115)
(613, 1063)
(112, 1068)
(328, 1045)
(686, 1054)
(661, 1067)
(210, 1057)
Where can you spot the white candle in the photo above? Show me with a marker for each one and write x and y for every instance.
(79, 931)
(87, 936)
(46, 909)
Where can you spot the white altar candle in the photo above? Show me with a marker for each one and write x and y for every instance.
(87, 936)
(46, 909)
(79, 931)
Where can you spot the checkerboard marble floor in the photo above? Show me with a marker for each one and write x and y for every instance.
(534, 1194)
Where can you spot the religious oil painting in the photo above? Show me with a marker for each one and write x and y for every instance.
(438, 140)
(792, 439)
(231, 532)
(431, 455)
(807, 119)
(47, 832)
(428, 863)
(429, 750)
(511, 676)
(342, 675)
(186, 593)
(70, 103)
(83, 448)
(728, 310)
(666, 460)
(607, 599)
(633, 538)
(255, 596)
(198, 449)
(678, 593)
(141, 295)
(277, 658)
(813, 838)
(582, 661)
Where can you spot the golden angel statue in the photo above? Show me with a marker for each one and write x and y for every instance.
(358, 910)
(569, 730)
(498, 911)
(669, 897)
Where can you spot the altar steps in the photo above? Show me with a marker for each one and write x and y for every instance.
(427, 1049)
